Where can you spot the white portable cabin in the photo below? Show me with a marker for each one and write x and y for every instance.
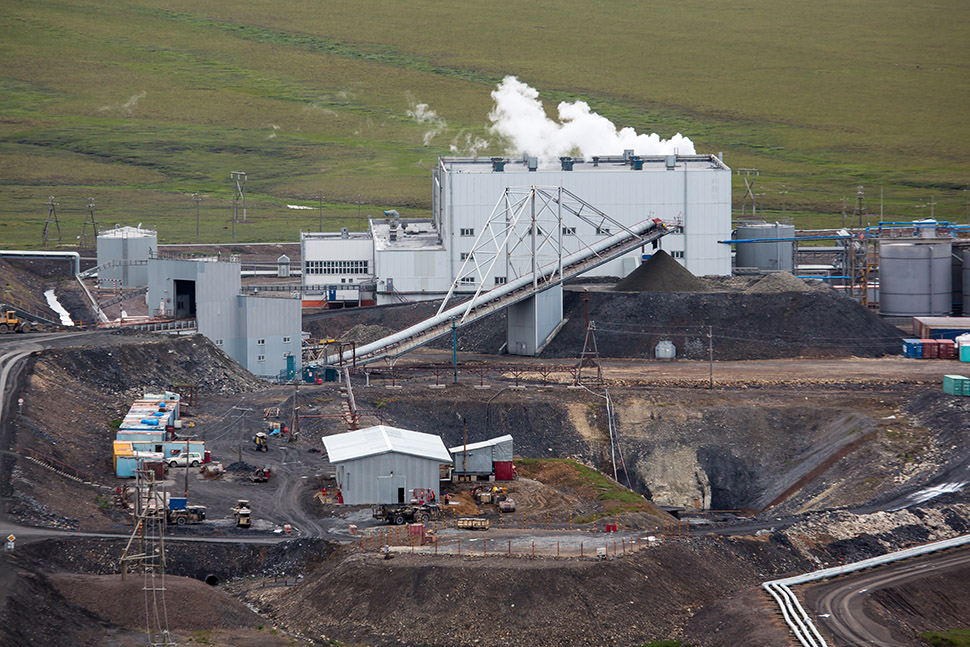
(384, 464)
(481, 457)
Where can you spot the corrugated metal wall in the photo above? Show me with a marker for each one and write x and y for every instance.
(359, 480)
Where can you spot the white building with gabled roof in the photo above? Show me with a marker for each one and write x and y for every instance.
(383, 464)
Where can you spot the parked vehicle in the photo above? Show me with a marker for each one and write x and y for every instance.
(398, 514)
(193, 459)
(188, 514)
(10, 322)
(242, 513)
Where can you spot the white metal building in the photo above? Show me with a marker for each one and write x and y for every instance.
(417, 259)
(261, 333)
(123, 255)
(492, 456)
(384, 464)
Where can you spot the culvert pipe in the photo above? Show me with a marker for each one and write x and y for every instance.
(211, 580)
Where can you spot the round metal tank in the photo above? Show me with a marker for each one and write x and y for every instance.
(665, 349)
(772, 256)
(965, 255)
(914, 279)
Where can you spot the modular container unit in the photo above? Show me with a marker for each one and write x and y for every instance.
(940, 327)
(486, 457)
(913, 348)
(965, 353)
(137, 436)
(948, 348)
(956, 385)
(931, 349)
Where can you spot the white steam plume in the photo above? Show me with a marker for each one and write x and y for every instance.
(518, 117)
(423, 114)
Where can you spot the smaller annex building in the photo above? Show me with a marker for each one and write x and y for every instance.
(382, 464)
(486, 458)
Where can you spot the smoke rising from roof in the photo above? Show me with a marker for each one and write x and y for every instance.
(519, 118)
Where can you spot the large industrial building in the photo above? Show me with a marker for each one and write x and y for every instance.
(414, 259)
(263, 334)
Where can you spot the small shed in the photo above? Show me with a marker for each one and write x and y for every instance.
(385, 464)
(487, 457)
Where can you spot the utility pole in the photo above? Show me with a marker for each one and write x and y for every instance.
(321, 211)
(454, 347)
(239, 192)
(198, 199)
(843, 212)
(710, 354)
(784, 196)
(358, 210)
(94, 225)
(186, 493)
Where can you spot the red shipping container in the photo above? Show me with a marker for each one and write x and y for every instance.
(504, 470)
(948, 348)
(931, 348)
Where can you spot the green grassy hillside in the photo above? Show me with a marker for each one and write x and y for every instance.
(139, 105)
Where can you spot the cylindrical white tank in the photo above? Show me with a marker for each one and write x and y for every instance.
(771, 256)
(914, 278)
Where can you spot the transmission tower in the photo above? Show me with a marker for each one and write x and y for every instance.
(748, 175)
(145, 553)
(239, 194)
(89, 219)
(51, 217)
(590, 356)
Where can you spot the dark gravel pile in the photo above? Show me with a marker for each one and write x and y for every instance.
(661, 273)
(241, 467)
(745, 326)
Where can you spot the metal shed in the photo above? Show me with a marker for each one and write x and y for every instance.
(485, 457)
(384, 464)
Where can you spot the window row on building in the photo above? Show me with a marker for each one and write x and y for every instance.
(337, 267)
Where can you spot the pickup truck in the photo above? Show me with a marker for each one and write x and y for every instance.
(193, 459)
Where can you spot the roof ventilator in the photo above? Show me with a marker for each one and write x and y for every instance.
(567, 163)
(670, 161)
(498, 164)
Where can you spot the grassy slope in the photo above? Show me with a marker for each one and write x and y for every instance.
(139, 106)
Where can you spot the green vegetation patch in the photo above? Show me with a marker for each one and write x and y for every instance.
(950, 638)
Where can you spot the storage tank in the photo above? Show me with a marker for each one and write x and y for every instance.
(130, 248)
(964, 254)
(770, 256)
(665, 349)
(914, 278)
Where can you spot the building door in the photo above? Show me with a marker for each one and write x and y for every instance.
(391, 489)
(400, 495)
(184, 299)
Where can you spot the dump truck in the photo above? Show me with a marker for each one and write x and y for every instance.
(10, 322)
(242, 513)
(261, 441)
(400, 513)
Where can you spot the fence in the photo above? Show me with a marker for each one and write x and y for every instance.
(524, 537)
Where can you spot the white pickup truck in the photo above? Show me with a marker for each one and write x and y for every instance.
(193, 459)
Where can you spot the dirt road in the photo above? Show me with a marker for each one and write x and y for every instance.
(839, 605)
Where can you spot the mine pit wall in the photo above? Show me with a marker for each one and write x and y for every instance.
(198, 560)
(699, 450)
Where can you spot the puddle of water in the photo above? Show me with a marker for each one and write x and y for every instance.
(58, 308)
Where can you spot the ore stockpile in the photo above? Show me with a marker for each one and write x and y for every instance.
(770, 317)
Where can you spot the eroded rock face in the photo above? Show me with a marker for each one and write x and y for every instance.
(676, 478)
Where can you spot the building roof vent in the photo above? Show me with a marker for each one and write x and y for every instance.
(532, 163)
(670, 161)
(627, 154)
(567, 163)
(498, 164)
(344, 233)
(636, 163)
